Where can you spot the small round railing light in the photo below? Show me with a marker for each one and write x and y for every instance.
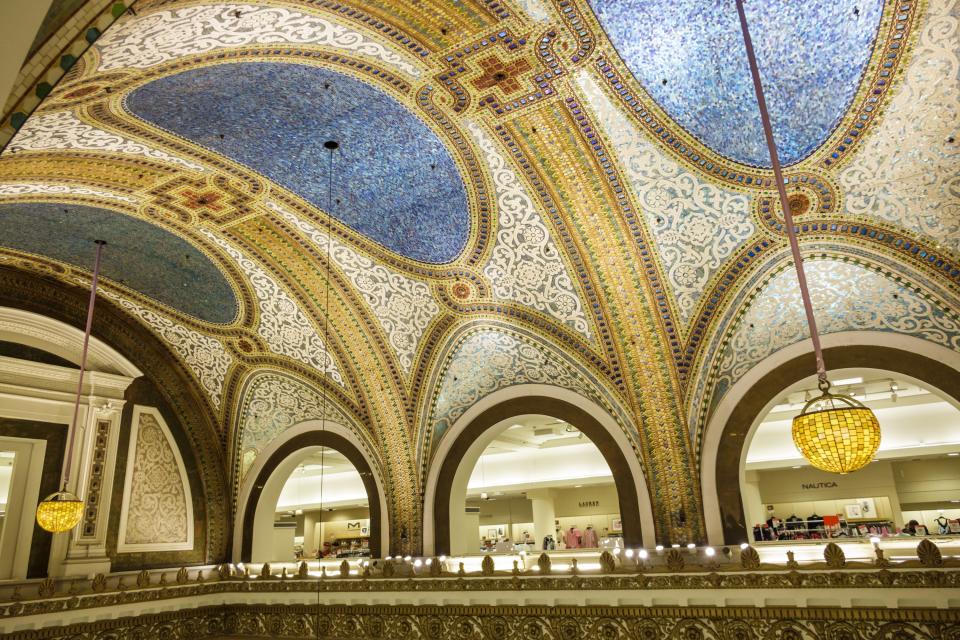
(836, 433)
(59, 512)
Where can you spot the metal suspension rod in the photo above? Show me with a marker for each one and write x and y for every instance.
(83, 361)
(784, 204)
(330, 146)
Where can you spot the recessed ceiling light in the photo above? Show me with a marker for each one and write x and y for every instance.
(953, 454)
(846, 381)
(797, 466)
(577, 486)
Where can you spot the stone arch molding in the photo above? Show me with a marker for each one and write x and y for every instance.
(433, 490)
(781, 368)
(481, 359)
(272, 402)
(270, 490)
(767, 314)
(41, 332)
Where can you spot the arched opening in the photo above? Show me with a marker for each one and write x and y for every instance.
(929, 372)
(322, 511)
(510, 428)
(540, 484)
(347, 517)
(914, 477)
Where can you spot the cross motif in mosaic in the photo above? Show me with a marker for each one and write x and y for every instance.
(217, 199)
(208, 200)
(504, 76)
(506, 70)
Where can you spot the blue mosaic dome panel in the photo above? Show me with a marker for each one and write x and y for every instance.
(139, 255)
(397, 183)
(689, 56)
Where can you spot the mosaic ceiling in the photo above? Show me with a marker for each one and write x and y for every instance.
(534, 192)
(689, 57)
(396, 182)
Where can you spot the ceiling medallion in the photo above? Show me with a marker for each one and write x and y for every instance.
(799, 204)
(460, 290)
(843, 435)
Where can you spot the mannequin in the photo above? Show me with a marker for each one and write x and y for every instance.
(572, 537)
(943, 525)
(590, 538)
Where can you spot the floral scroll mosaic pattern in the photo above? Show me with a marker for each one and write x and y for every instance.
(283, 325)
(162, 36)
(156, 488)
(205, 355)
(272, 404)
(846, 297)
(908, 172)
(47, 189)
(525, 266)
(489, 360)
(63, 130)
(403, 306)
(696, 224)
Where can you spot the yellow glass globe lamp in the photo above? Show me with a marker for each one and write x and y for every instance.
(59, 512)
(835, 433)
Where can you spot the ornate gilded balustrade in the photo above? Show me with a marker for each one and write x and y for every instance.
(921, 584)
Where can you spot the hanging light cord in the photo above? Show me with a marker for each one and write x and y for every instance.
(331, 146)
(823, 383)
(83, 361)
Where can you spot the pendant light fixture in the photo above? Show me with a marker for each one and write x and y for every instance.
(833, 432)
(62, 511)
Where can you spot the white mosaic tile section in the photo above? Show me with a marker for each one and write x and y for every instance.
(536, 9)
(846, 297)
(62, 130)
(161, 36)
(283, 325)
(525, 266)
(272, 404)
(47, 189)
(403, 306)
(695, 224)
(205, 355)
(157, 509)
(907, 171)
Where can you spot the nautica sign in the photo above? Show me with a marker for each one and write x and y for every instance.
(819, 485)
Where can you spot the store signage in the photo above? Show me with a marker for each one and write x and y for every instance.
(590, 503)
(819, 485)
(353, 525)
